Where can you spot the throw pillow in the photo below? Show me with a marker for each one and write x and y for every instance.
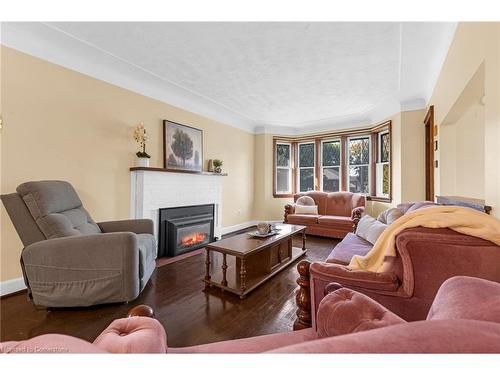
(389, 216)
(306, 210)
(370, 229)
(305, 201)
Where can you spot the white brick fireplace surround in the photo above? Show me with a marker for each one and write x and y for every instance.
(151, 190)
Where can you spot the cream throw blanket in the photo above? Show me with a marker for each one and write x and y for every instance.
(460, 219)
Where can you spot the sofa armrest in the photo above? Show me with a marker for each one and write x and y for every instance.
(356, 216)
(99, 260)
(136, 334)
(289, 209)
(357, 212)
(377, 281)
(345, 311)
(132, 225)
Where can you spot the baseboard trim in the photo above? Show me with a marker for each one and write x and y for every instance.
(11, 286)
(15, 285)
(237, 227)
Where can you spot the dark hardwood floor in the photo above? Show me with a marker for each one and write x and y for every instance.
(175, 291)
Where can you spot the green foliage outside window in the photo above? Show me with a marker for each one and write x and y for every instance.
(331, 153)
(306, 155)
(359, 151)
(385, 179)
(282, 155)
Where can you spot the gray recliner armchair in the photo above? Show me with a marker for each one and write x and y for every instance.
(70, 260)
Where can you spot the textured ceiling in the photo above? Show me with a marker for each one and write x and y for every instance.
(289, 75)
(286, 73)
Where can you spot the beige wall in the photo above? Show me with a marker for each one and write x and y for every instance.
(474, 44)
(266, 206)
(59, 124)
(462, 155)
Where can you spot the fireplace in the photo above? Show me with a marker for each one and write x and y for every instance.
(184, 229)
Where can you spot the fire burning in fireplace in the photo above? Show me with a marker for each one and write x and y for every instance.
(193, 239)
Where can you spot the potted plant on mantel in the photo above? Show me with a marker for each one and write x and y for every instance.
(141, 138)
(217, 166)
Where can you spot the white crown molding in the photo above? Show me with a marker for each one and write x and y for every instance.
(56, 46)
(47, 43)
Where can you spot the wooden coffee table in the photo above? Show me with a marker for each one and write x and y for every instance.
(256, 259)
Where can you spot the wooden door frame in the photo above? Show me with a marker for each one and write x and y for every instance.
(429, 154)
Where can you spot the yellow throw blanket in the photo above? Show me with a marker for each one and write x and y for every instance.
(460, 219)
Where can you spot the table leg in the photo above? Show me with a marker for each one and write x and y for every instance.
(224, 269)
(207, 269)
(243, 275)
(304, 240)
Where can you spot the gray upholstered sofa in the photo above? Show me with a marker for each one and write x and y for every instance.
(69, 259)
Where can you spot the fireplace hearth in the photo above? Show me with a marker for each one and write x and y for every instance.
(184, 229)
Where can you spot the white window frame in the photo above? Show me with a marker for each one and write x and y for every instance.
(379, 168)
(289, 168)
(348, 154)
(299, 168)
(330, 166)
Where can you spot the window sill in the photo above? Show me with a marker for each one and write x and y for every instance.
(379, 199)
(275, 195)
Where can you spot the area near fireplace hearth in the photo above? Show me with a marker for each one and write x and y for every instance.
(154, 190)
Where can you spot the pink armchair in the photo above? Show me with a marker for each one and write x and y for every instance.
(464, 318)
(425, 259)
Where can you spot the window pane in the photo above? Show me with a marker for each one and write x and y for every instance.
(331, 153)
(306, 179)
(385, 147)
(282, 155)
(385, 179)
(282, 180)
(306, 155)
(358, 179)
(359, 151)
(331, 179)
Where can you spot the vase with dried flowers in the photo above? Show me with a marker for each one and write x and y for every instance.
(217, 166)
(141, 138)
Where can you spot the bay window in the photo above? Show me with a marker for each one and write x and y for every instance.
(383, 167)
(358, 149)
(306, 175)
(283, 176)
(358, 161)
(330, 165)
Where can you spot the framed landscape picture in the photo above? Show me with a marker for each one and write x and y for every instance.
(182, 147)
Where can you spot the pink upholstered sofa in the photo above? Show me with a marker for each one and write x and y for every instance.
(338, 213)
(464, 318)
(411, 280)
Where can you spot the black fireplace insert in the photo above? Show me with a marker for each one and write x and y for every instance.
(184, 229)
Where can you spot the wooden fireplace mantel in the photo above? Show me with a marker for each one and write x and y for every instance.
(155, 169)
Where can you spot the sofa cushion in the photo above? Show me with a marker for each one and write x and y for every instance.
(412, 206)
(339, 204)
(305, 200)
(389, 216)
(351, 245)
(302, 219)
(345, 311)
(463, 297)
(335, 220)
(57, 209)
(370, 229)
(306, 210)
(319, 198)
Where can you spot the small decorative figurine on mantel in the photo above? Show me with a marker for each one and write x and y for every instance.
(141, 138)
